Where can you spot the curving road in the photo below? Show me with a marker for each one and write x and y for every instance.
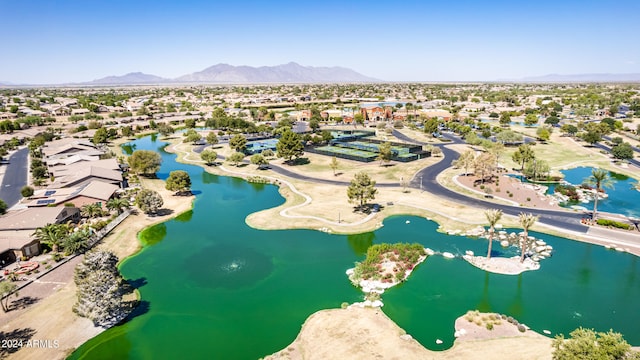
(425, 179)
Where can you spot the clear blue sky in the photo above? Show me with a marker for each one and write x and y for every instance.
(46, 41)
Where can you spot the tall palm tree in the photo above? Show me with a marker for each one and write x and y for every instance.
(600, 179)
(493, 216)
(91, 210)
(118, 204)
(52, 235)
(526, 221)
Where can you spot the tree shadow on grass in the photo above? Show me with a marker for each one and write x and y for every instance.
(163, 212)
(368, 208)
(298, 161)
(11, 340)
(23, 302)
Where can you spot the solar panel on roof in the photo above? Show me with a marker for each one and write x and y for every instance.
(45, 202)
(49, 192)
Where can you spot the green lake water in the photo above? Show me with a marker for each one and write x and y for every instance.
(212, 287)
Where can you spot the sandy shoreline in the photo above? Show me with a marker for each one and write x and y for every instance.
(367, 333)
(502, 265)
(52, 318)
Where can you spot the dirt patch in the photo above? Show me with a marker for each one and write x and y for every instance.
(511, 189)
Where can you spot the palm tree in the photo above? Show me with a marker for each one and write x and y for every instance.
(599, 178)
(493, 216)
(118, 204)
(76, 242)
(526, 221)
(91, 210)
(52, 235)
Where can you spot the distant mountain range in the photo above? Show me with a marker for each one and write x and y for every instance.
(559, 78)
(229, 74)
(296, 73)
(135, 78)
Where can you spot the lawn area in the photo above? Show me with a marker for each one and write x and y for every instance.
(560, 153)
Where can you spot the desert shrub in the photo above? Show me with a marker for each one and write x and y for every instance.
(489, 326)
(521, 328)
(613, 223)
(344, 305)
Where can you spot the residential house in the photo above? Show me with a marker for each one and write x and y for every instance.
(80, 111)
(68, 147)
(76, 163)
(89, 193)
(304, 115)
(86, 174)
(436, 113)
(17, 228)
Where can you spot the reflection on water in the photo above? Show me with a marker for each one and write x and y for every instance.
(185, 216)
(154, 234)
(622, 197)
(359, 243)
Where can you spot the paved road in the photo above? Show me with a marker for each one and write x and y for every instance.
(608, 149)
(15, 177)
(425, 179)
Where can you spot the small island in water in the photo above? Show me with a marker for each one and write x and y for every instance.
(386, 265)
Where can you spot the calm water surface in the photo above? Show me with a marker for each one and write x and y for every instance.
(212, 287)
(622, 198)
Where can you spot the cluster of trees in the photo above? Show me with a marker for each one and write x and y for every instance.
(145, 162)
(103, 135)
(191, 136)
(588, 344)
(483, 164)
(63, 237)
(179, 181)
(530, 166)
(149, 201)
(100, 289)
(38, 169)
